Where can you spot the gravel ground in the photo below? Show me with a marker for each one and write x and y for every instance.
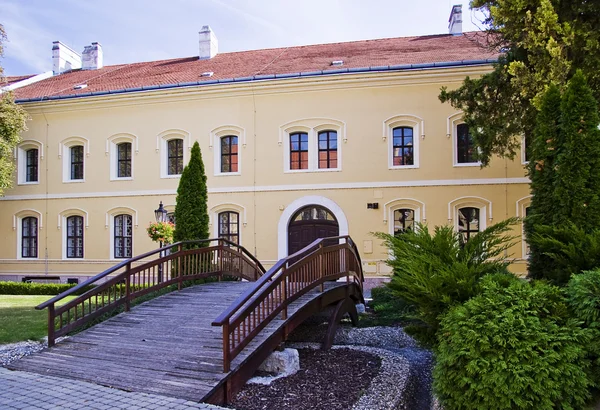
(14, 351)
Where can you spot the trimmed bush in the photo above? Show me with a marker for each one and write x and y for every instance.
(389, 307)
(20, 288)
(433, 272)
(512, 347)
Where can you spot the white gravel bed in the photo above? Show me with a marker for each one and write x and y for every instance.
(380, 336)
(14, 351)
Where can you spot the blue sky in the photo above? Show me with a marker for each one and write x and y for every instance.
(144, 30)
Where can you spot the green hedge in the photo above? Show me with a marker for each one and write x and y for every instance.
(512, 347)
(21, 288)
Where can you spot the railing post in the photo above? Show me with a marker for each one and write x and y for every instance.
(284, 312)
(51, 325)
(321, 267)
(128, 288)
(179, 272)
(226, 363)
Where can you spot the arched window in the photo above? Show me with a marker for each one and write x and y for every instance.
(299, 150)
(229, 226)
(31, 165)
(328, 149)
(468, 222)
(74, 236)
(465, 146)
(402, 143)
(123, 236)
(29, 237)
(124, 160)
(229, 154)
(76, 160)
(404, 221)
(175, 156)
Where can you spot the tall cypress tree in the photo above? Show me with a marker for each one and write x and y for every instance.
(546, 142)
(578, 163)
(191, 212)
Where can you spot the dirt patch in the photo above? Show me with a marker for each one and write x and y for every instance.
(327, 380)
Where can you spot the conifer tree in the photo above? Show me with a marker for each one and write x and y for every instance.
(191, 212)
(542, 174)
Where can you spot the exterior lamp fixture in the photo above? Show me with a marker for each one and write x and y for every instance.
(161, 216)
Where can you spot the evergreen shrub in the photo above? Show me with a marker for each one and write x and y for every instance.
(51, 289)
(512, 347)
(433, 272)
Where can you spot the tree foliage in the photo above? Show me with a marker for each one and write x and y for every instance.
(564, 169)
(12, 123)
(433, 272)
(514, 346)
(191, 211)
(543, 42)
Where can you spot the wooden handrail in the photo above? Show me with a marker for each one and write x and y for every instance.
(123, 283)
(286, 281)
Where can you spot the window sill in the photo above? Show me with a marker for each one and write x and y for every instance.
(467, 164)
(29, 183)
(227, 174)
(73, 181)
(65, 259)
(122, 179)
(304, 171)
(23, 258)
(170, 176)
(404, 167)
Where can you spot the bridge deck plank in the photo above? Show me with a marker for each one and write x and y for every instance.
(164, 346)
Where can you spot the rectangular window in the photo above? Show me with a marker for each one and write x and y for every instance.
(465, 146)
(299, 150)
(229, 226)
(328, 149)
(404, 221)
(124, 160)
(31, 173)
(403, 146)
(175, 156)
(77, 162)
(123, 236)
(229, 154)
(29, 237)
(75, 237)
(468, 222)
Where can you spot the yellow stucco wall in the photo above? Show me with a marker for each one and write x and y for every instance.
(264, 192)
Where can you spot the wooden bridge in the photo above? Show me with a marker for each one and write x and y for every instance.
(201, 342)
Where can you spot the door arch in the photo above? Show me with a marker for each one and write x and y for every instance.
(309, 223)
(297, 204)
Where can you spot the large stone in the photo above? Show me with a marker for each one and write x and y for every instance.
(282, 363)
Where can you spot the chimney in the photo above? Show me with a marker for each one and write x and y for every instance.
(208, 43)
(455, 21)
(64, 58)
(92, 57)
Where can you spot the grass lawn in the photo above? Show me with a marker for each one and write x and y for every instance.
(20, 321)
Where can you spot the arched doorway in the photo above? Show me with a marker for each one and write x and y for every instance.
(310, 223)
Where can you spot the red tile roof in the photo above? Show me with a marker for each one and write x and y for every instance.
(268, 62)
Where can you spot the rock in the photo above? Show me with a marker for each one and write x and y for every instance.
(280, 364)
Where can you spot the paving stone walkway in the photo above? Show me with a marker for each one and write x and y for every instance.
(23, 390)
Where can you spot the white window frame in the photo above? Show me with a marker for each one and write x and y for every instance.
(110, 225)
(21, 157)
(523, 151)
(213, 221)
(215, 144)
(403, 203)
(18, 227)
(62, 222)
(521, 212)
(484, 206)
(162, 140)
(64, 152)
(453, 122)
(404, 120)
(312, 126)
(112, 143)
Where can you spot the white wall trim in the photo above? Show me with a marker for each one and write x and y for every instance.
(25, 213)
(466, 201)
(161, 148)
(278, 188)
(111, 151)
(121, 210)
(73, 211)
(122, 137)
(215, 141)
(17, 217)
(290, 210)
(522, 204)
(409, 203)
(213, 218)
(417, 124)
(20, 154)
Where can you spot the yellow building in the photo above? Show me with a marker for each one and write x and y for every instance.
(298, 142)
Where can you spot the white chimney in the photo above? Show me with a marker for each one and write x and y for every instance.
(455, 20)
(209, 46)
(64, 58)
(92, 57)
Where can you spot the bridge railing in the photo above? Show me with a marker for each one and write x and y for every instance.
(133, 278)
(325, 259)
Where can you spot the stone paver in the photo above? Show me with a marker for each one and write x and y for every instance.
(22, 390)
